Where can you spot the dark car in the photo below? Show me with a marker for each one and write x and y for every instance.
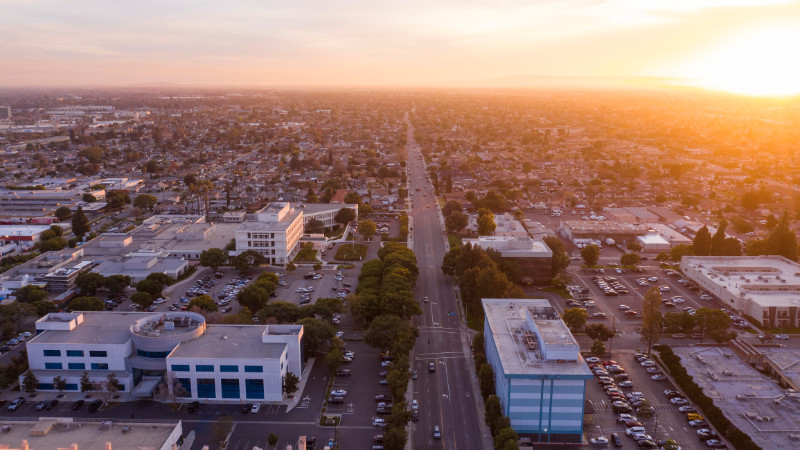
(51, 404)
(383, 373)
(335, 399)
(77, 404)
(431, 367)
(383, 411)
(384, 382)
(95, 405)
(383, 398)
(616, 440)
(343, 372)
(415, 416)
(193, 407)
(246, 408)
(646, 443)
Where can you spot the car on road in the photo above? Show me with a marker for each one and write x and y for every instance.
(431, 367)
(715, 443)
(599, 441)
(782, 337)
(437, 433)
(426, 299)
(678, 401)
(14, 405)
(256, 408)
(678, 336)
(414, 404)
(598, 315)
(686, 409)
(624, 307)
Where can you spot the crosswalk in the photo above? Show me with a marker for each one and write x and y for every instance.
(601, 406)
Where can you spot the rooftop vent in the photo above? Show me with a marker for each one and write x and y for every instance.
(224, 338)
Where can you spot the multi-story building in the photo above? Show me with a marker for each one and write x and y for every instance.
(766, 288)
(274, 233)
(540, 376)
(533, 256)
(326, 213)
(178, 349)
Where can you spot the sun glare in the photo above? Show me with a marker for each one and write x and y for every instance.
(758, 63)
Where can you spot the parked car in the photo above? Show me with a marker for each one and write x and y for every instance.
(616, 439)
(256, 408)
(599, 441)
(95, 405)
(77, 404)
(14, 405)
(193, 407)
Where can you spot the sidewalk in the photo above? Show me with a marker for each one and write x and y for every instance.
(294, 401)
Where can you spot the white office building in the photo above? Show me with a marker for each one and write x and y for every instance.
(274, 233)
(195, 361)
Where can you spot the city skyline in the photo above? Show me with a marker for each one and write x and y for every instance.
(730, 45)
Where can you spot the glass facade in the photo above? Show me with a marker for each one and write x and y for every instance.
(52, 353)
(204, 368)
(183, 387)
(230, 388)
(78, 353)
(206, 388)
(99, 366)
(228, 368)
(53, 366)
(156, 355)
(180, 367)
(76, 366)
(254, 389)
(253, 369)
(98, 353)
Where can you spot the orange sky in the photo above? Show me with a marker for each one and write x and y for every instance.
(737, 45)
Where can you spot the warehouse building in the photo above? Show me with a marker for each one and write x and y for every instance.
(540, 375)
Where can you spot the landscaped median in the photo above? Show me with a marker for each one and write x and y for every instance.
(686, 383)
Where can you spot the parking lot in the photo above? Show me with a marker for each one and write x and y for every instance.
(666, 422)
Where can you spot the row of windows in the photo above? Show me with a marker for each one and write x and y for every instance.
(206, 388)
(210, 368)
(260, 235)
(77, 353)
(261, 244)
(75, 366)
(156, 355)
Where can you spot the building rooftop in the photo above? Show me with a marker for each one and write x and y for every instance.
(87, 435)
(98, 327)
(604, 226)
(532, 339)
(314, 208)
(513, 247)
(230, 341)
(765, 280)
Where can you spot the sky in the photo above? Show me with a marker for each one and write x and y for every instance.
(735, 45)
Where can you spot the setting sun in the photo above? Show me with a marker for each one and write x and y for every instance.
(759, 63)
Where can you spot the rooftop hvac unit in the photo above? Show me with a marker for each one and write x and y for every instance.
(530, 343)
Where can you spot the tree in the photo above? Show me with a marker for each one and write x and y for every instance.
(86, 304)
(89, 198)
(151, 287)
(388, 329)
(80, 223)
(142, 298)
(248, 260)
(575, 318)
(116, 284)
(86, 383)
(290, 383)
(364, 209)
(30, 383)
(716, 247)
(450, 207)
(560, 257)
(701, 244)
(272, 440)
(63, 213)
(112, 382)
(782, 240)
(145, 201)
(598, 347)
(117, 199)
(455, 221)
(30, 294)
(493, 412)
(204, 302)
(679, 322)
(335, 356)
(352, 197)
(345, 216)
(679, 251)
(213, 257)
(221, 429)
(486, 378)
(486, 225)
(629, 259)
(634, 246)
(599, 331)
(44, 307)
(651, 317)
(316, 333)
(60, 384)
(395, 438)
(590, 254)
(367, 228)
(715, 323)
(315, 226)
(89, 282)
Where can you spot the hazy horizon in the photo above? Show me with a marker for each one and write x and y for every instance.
(727, 45)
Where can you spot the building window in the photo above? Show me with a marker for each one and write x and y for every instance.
(206, 388)
(156, 355)
(99, 366)
(228, 368)
(254, 369)
(78, 353)
(52, 353)
(180, 367)
(46, 387)
(98, 353)
(53, 366)
(76, 366)
(230, 388)
(71, 387)
(204, 368)
(183, 388)
(254, 389)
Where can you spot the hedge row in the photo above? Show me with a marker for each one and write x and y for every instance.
(712, 413)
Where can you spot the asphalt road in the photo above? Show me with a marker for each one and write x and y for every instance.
(446, 397)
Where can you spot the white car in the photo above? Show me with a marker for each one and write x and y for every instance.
(339, 392)
(378, 422)
(782, 337)
(600, 440)
(677, 300)
(642, 437)
(678, 401)
(624, 307)
(339, 334)
(633, 430)
(255, 408)
(349, 354)
(648, 363)
(592, 359)
(414, 405)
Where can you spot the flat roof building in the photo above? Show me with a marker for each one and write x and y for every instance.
(274, 233)
(195, 360)
(601, 229)
(76, 434)
(766, 288)
(326, 212)
(533, 256)
(540, 375)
